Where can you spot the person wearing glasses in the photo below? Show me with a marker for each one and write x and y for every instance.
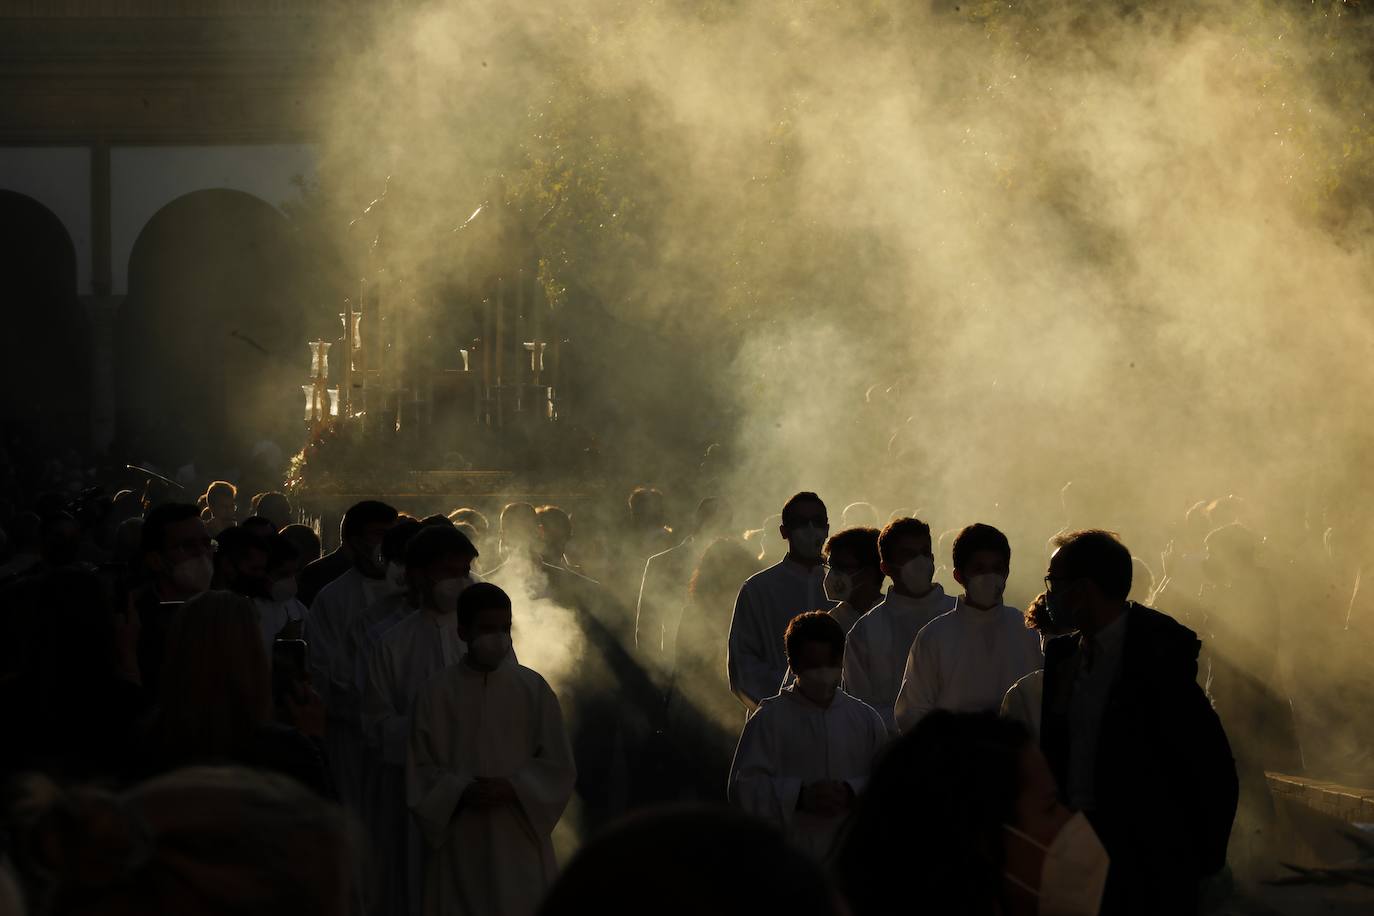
(1132, 739)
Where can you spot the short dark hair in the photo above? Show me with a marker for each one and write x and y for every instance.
(1098, 556)
(397, 537)
(897, 529)
(430, 545)
(443, 521)
(977, 537)
(554, 516)
(469, 516)
(367, 512)
(271, 498)
(478, 597)
(221, 488)
(813, 626)
(789, 508)
(154, 535)
(862, 542)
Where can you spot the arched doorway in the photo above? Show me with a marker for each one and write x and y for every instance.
(211, 339)
(45, 381)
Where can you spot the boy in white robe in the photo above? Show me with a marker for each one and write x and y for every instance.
(770, 599)
(489, 771)
(853, 577)
(806, 753)
(854, 574)
(438, 563)
(332, 669)
(875, 653)
(966, 660)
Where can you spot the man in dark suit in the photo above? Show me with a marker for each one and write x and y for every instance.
(1132, 738)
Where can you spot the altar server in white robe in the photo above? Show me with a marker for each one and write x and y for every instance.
(489, 771)
(438, 565)
(875, 654)
(333, 672)
(394, 606)
(966, 660)
(853, 577)
(770, 599)
(806, 753)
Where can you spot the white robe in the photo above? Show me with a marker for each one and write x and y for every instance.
(367, 629)
(765, 606)
(1024, 700)
(506, 723)
(333, 674)
(274, 615)
(875, 652)
(789, 742)
(965, 661)
(406, 657)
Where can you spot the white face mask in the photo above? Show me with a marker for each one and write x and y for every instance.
(396, 575)
(806, 542)
(838, 585)
(819, 684)
(917, 573)
(986, 590)
(490, 649)
(284, 589)
(1075, 871)
(446, 592)
(193, 574)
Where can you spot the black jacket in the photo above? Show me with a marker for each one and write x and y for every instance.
(1165, 783)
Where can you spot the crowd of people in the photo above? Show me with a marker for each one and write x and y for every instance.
(206, 712)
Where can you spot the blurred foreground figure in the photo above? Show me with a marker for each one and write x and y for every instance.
(805, 755)
(489, 771)
(1130, 735)
(197, 842)
(962, 818)
(967, 659)
(876, 652)
(217, 699)
(689, 862)
(770, 599)
(70, 706)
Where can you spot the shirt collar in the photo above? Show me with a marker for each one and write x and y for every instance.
(1109, 639)
(899, 601)
(797, 569)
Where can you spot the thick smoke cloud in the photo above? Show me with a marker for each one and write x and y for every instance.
(946, 257)
(941, 258)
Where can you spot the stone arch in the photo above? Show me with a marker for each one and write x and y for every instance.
(145, 179)
(210, 340)
(45, 383)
